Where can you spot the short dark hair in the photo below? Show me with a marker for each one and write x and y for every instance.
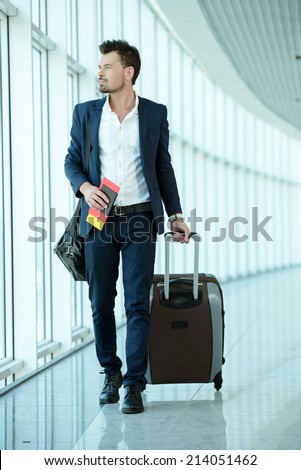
(129, 55)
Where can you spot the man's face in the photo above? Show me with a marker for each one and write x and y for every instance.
(111, 74)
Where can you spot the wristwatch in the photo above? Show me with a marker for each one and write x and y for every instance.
(174, 217)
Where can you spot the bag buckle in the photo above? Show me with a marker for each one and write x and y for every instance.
(69, 253)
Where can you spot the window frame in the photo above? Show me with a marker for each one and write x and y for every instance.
(5, 149)
(42, 191)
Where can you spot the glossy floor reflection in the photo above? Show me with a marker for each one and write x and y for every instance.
(258, 407)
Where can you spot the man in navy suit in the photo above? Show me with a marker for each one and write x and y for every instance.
(129, 146)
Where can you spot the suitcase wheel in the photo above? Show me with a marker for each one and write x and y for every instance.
(218, 380)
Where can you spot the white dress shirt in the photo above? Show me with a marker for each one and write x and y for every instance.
(119, 152)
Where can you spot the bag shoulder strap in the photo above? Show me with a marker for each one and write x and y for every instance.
(88, 142)
(87, 162)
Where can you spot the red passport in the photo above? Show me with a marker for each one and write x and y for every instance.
(97, 217)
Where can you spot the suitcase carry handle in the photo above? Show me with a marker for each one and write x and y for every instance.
(169, 238)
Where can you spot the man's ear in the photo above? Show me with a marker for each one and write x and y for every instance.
(129, 72)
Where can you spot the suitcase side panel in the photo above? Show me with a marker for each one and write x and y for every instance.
(216, 309)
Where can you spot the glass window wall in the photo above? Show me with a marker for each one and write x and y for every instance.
(2, 244)
(148, 54)
(228, 162)
(42, 195)
(72, 28)
(38, 14)
(6, 307)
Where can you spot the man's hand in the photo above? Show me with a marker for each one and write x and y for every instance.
(181, 231)
(94, 197)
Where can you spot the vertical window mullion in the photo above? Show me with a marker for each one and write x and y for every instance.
(39, 199)
(47, 197)
(42, 194)
(2, 239)
(6, 286)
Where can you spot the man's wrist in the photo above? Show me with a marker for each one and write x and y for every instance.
(84, 186)
(178, 216)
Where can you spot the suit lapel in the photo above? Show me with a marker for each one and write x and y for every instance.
(95, 115)
(94, 121)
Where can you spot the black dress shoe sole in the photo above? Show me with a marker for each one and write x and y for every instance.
(130, 411)
(107, 401)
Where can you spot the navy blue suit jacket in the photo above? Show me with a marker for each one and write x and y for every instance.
(155, 157)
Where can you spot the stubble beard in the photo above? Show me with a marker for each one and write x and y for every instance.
(105, 88)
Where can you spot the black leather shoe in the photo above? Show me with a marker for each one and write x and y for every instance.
(110, 391)
(133, 400)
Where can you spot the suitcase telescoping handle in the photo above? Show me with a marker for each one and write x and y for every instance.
(169, 238)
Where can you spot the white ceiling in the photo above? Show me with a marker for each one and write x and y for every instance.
(248, 48)
(262, 39)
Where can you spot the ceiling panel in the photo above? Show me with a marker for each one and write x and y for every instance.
(262, 39)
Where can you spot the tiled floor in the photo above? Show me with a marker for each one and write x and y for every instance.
(258, 407)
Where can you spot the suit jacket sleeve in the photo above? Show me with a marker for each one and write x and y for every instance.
(165, 172)
(74, 160)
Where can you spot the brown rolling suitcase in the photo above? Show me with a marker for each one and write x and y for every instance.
(187, 326)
